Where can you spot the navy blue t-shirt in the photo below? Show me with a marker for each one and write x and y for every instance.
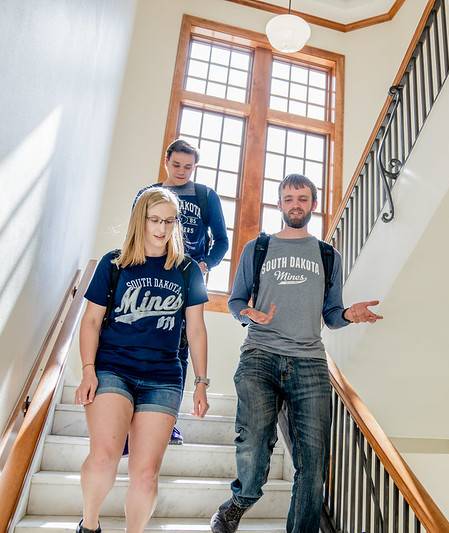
(142, 338)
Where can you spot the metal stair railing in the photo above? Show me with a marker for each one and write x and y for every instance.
(411, 98)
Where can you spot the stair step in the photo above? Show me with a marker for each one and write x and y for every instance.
(63, 453)
(70, 420)
(60, 493)
(219, 404)
(66, 524)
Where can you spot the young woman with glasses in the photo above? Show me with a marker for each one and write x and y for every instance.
(132, 377)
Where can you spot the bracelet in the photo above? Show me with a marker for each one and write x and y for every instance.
(87, 364)
(343, 315)
(201, 379)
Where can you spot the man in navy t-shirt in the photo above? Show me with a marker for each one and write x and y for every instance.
(205, 235)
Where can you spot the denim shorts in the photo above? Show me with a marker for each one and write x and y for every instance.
(144, 394)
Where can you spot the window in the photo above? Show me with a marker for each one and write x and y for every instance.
(220, 140)
(298, 89)
(256, 115)
(291, 151)
(218, 70)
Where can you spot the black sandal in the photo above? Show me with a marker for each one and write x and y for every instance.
(81, 529)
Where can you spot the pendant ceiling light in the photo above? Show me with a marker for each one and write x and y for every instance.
(288, 33)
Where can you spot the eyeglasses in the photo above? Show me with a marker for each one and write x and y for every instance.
(169, 222)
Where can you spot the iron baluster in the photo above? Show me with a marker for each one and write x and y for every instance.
(394, 164)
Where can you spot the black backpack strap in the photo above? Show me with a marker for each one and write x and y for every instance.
(327, 257)
(260, 252)
(202, 193)
(113, 282)
(141, 191)
(185, 268)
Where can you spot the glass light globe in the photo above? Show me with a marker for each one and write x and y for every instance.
(287, 33)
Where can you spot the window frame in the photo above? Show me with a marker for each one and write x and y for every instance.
(258, 116)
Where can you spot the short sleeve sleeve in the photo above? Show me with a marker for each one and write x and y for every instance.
(197, 290)
(98, 289)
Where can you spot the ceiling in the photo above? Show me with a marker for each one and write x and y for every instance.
(343, 11)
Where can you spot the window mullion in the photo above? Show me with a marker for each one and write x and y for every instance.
(251, 187)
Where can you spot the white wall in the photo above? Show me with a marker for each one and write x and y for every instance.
(400, 366)
(433, 472)
(372, 55)
(61, 69)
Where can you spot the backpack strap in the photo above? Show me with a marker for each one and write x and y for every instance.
(202, 193)
(141, 191)
(327, 257)
(113, 282)
(185, 267)
(260, 252)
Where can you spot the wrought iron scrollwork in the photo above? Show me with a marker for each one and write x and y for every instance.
(393, 167)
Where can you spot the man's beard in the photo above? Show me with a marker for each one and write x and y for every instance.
(297, 222)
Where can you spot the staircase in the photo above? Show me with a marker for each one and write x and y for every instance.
(194, 478)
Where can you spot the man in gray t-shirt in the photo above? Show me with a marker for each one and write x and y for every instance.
(283, 359)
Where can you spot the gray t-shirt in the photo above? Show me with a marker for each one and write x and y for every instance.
(292, 277)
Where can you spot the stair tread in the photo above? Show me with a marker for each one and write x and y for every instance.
(210, 395)
(73, 478)
(184, 416)
(186, 447)
(157, 524)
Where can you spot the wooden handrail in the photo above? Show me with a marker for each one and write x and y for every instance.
(382, 116)
(17, 415)
(425, 509)
(21, 455)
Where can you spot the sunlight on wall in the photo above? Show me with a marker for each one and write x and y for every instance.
(24, 177)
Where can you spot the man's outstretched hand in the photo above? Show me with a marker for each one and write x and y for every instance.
(259, 316)
(359, 312)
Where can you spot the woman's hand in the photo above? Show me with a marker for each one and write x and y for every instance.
(200, 405)
(85, 393)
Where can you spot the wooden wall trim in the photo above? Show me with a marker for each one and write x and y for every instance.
(22, 451)
(279, 10)
(218, 302)
(430, 516)
(320, 21)
(378, 19)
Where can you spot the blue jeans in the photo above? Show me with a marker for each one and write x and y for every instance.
(263, 382)
(144, 394)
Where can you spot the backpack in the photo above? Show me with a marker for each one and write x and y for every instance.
(184, 267)
(202, 193)
(260, 252)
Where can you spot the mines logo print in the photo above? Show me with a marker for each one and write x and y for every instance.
(150, 306)
(279, 265)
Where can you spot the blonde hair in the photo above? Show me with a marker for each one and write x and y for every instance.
(133, 251)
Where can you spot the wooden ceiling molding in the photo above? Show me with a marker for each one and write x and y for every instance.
(326, 23)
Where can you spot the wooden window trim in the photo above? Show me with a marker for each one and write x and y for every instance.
(258, 116)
